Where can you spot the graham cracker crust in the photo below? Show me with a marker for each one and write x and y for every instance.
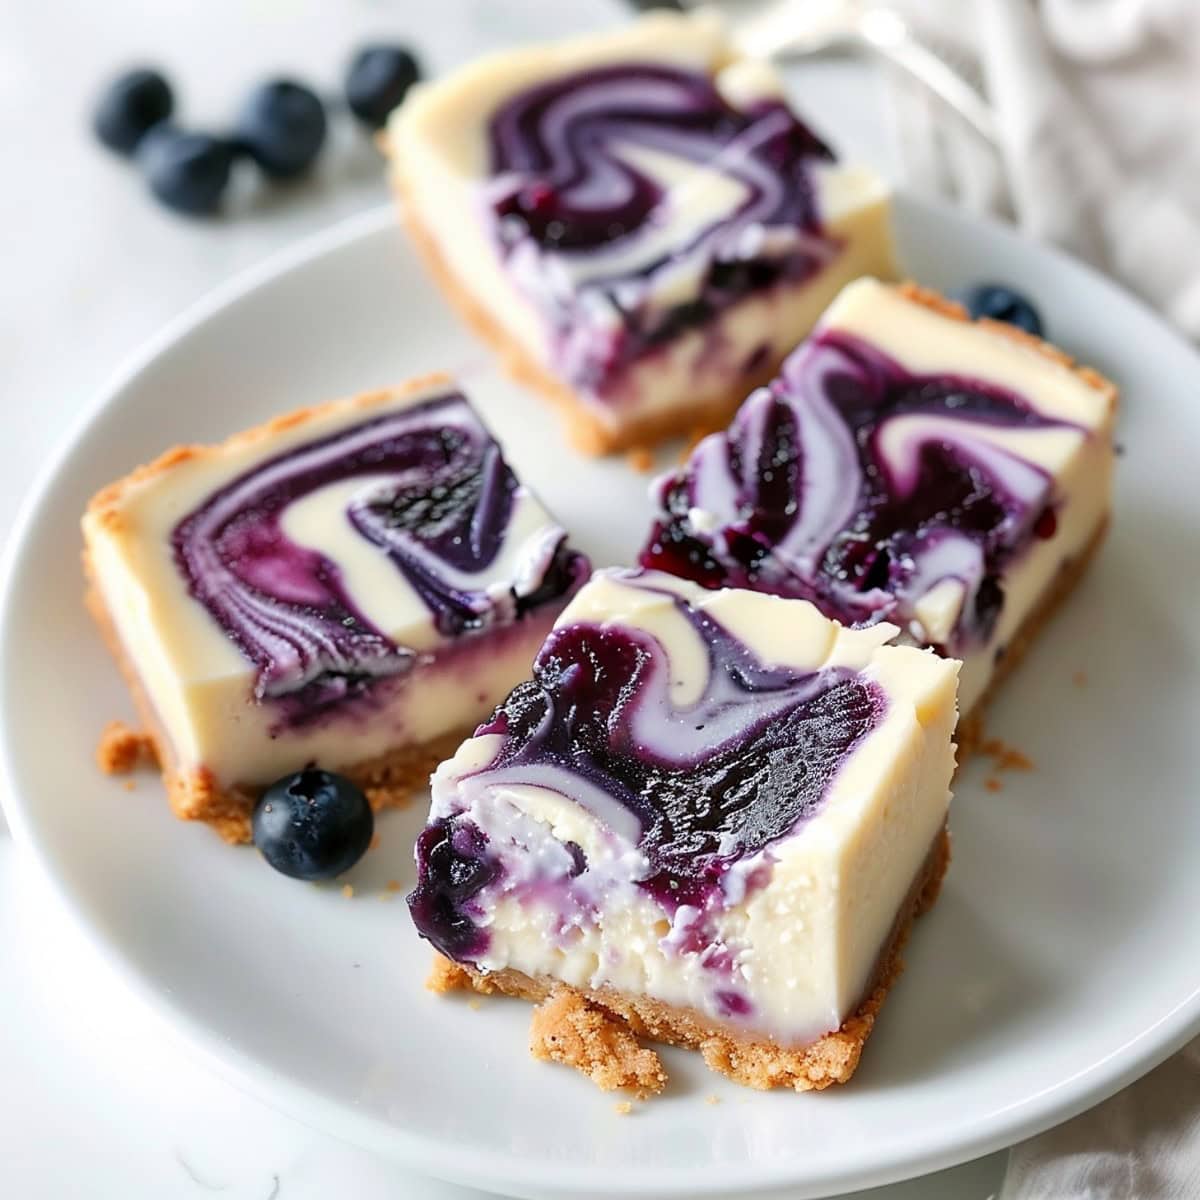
(389, 780)
(597, 1030)
(586, 431)
(969, 735)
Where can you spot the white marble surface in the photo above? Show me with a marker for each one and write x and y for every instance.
(97, 1099)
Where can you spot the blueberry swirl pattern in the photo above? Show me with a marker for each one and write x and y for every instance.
(633, 202)
(428, 488)
(694, 787)
(855, 484)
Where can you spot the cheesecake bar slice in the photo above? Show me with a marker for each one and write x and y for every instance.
(911, 466)
(709, 817)
(637, 220)
(353, 585)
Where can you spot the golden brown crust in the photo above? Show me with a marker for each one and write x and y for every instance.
(388, 780)
(586, 431)
(105, 505)
(746, 1058)
(122, 749)
(969, 734)
(938, 303)
(568, 1030)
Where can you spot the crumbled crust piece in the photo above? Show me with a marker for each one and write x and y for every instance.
(1004, 756)
(569, 1030)
(447, 976)
(122, 749)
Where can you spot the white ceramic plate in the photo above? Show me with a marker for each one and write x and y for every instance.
(1059, 964)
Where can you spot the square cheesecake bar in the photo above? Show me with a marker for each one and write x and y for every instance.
(636, 220)
(353, 586)
(708, 819)
(907, 465)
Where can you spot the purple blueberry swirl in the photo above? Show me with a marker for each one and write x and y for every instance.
(602, 196)
(858, 485)
(696, 788)
(437, 499)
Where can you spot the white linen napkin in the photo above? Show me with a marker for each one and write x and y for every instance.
(1143, 1144)
(1098, 104)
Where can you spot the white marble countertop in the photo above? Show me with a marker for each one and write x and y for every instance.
(97, 1098)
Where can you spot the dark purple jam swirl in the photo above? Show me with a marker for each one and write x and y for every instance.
(580, 212)
(855, 484)
(704, 786)
(437, 500)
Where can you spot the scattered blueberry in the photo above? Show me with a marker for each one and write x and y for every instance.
(1003, 304)
(313, 825)
(282, 127)
(377, 80)
(188, 172)
(129, 107)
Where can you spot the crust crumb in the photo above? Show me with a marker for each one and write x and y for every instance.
(1004, 756)
(569, 1030)
(641, 458)
(474, 1004)
(993, 784)
(447, 976)
(1080, 679)
(393, 885)
(348, 891)
(373, 844)
(130, 785)
(122, 749)
(623, 1108)
(712, 1098)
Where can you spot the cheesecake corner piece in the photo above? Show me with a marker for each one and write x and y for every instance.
(637, 220)
(353, 586)
(709, 815)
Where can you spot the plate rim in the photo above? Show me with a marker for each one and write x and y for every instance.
(426, 1153)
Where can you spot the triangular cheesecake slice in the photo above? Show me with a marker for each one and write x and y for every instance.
(710, 816)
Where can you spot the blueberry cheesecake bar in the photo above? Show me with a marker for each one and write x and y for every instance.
(911, 466)
(637, 220)
(350, 586)
(708, 819)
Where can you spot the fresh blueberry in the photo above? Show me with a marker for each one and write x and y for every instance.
(377, 80)
(282, 127)
(129, 107)
(188, 172)
(1002, 304)
(313, 825)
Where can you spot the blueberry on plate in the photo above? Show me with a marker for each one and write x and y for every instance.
(1002, 303)
(377, 79)
(188, 172)
(282, 127)
(130, 107)
(313, 825)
